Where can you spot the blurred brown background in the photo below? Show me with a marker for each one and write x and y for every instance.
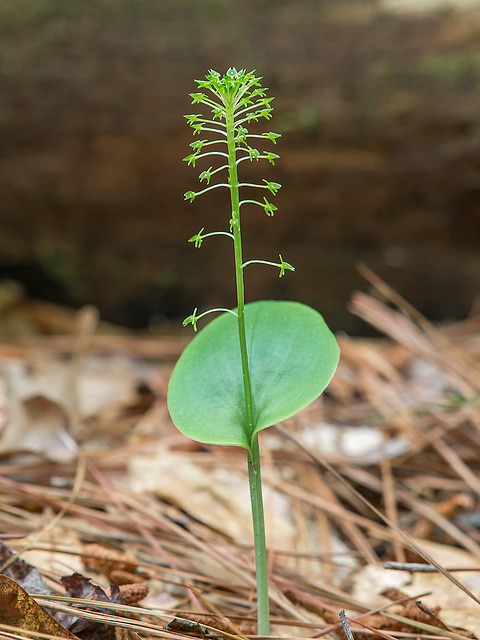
(380, 155)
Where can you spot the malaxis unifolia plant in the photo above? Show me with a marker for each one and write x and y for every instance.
(262, 362)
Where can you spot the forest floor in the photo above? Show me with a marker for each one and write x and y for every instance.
(371, 492)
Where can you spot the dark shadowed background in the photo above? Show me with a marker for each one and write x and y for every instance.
(380, 153)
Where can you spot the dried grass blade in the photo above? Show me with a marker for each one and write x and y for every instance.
(403, 330)
(423, 554)
(418, 505)
(399, 301)
(34, 538)
(457, 465)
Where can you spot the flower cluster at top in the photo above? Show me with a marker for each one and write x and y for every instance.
(235, 100)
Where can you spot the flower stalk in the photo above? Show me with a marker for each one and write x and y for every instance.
(238, 99)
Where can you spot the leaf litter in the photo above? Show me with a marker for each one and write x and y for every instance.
(365, 490)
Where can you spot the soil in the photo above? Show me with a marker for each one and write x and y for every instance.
(380, 157)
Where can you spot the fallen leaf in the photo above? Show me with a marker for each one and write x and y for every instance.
(365, 444)
(456, 608)
(38, 425)
(19, 609)
(54, 559)
(77, 586)
(24, 574)
(39, 404)
(215, 495)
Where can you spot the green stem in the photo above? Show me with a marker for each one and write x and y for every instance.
(255, 481)
(253, 453)
(237, 242)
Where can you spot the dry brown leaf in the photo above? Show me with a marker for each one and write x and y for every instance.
(39, 404)
(19, 609)
(126, 634)
(38, 421)
(455, 606)
(105, 382)
(373, 579)
(364, 444)
(54, 559)
(464, 618)
(38, 425)
(217, 496)
(210, 495)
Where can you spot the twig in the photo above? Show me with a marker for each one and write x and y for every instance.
(345, 625)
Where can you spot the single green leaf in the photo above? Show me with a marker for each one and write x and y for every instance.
(292, 356)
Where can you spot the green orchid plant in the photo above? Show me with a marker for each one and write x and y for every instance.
(260, 363)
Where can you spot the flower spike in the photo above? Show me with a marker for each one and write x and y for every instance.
(214, 376)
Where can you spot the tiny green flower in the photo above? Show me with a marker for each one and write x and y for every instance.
(273, 187)
(284, 266)
(269, 207)
(192, 319)
(197, 97)
(206, 175)
(197, 239)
